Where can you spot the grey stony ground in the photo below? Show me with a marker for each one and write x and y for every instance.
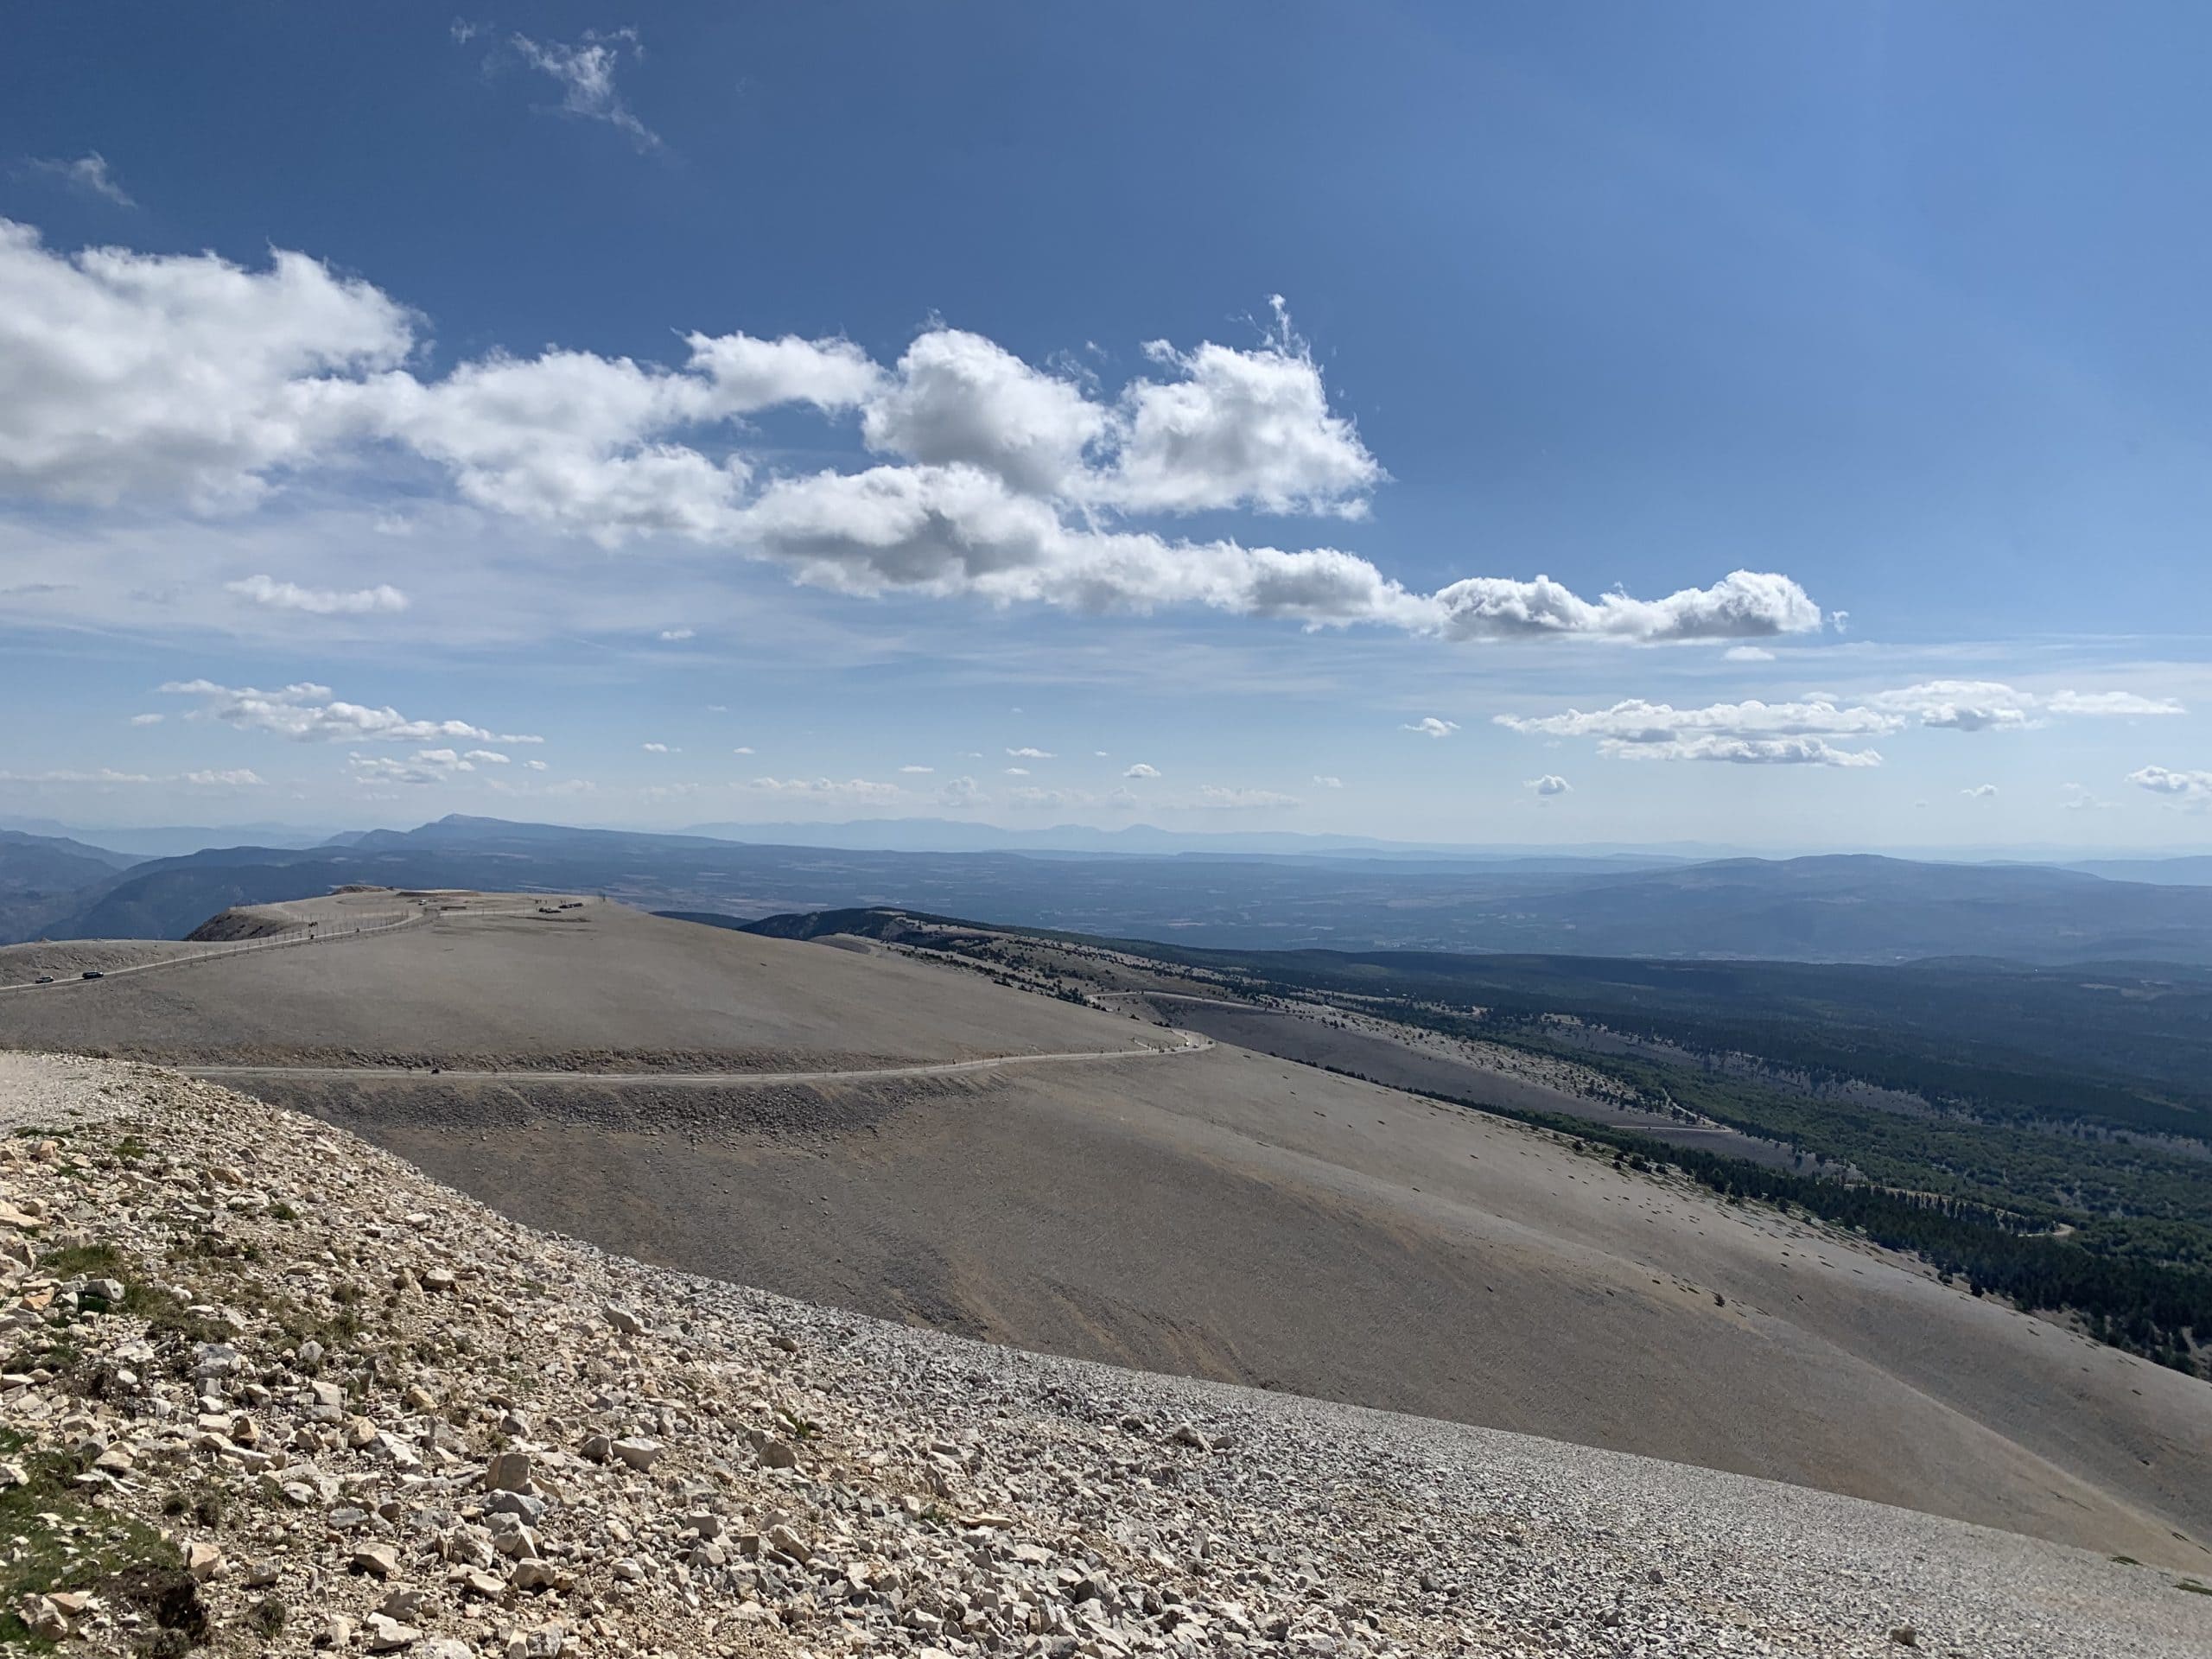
(269, 1390)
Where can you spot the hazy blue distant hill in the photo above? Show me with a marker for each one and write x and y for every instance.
(1831, 909)
(42, 876)
(171, 841)
(2194, 871)
(951, 836)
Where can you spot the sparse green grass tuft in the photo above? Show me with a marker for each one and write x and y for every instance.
(70, 1546)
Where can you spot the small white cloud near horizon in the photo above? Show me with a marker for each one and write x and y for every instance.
(101, 776)
(1980, 792)
(1801, 733)
(1323, 781)
(742, 748)
(308, 713)
(420, 771)
(148, 720)
(1748, 654)
(1430, 726)
(235, 777)
(918, 770)
(1031, 754)
(1016, 771)
(1140, 770)
(2183, 787)
(535, 766)
(1549, 785)
(660, 748)
(1218, 795)
(383, 600)
(89, 175)
(675, 635)
(2080, 797)
(852, 789)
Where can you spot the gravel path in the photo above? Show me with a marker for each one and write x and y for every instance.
(1188, 1045)
(498, 1434)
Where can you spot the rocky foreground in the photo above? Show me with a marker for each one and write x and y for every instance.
(269, 1390)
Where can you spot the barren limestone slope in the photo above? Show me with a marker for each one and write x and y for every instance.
(1224, 1215)
(1216, 1213)
(276, 1391)
(596, 985)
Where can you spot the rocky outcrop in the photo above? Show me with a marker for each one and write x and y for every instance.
(272, 1390)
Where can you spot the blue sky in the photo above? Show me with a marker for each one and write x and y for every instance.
(846, 399)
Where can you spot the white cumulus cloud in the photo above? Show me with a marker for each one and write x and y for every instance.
(1142, 770)
(1550, 783)
(1430, 726)
(188, 377)
(233, 777)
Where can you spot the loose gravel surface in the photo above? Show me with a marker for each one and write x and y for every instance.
(269, 1390)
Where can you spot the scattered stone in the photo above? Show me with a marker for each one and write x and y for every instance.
(638, 1452)
(775, 1454)
(508, 1471)
(44, 1618)
(378, 1560)
(384, 1635)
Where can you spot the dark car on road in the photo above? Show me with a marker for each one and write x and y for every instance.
(94, 973)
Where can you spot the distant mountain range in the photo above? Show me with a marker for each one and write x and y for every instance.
(1847, 908)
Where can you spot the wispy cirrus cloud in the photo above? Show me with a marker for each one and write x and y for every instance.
(88, 175)
(381, 599)
(583, 70)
